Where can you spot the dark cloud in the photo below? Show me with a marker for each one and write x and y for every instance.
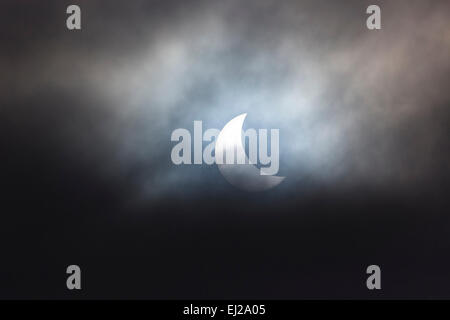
(86, 119)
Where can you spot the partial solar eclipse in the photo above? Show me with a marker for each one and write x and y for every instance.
(243, 174)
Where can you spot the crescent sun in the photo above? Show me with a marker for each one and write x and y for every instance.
(244, 176)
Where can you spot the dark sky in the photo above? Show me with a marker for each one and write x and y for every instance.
(85, 124)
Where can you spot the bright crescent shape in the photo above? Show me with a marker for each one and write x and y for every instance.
(243, 176)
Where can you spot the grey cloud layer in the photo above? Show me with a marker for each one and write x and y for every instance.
(353, 106)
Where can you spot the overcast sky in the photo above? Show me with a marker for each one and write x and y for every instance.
(353, 106)
(86, 118)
